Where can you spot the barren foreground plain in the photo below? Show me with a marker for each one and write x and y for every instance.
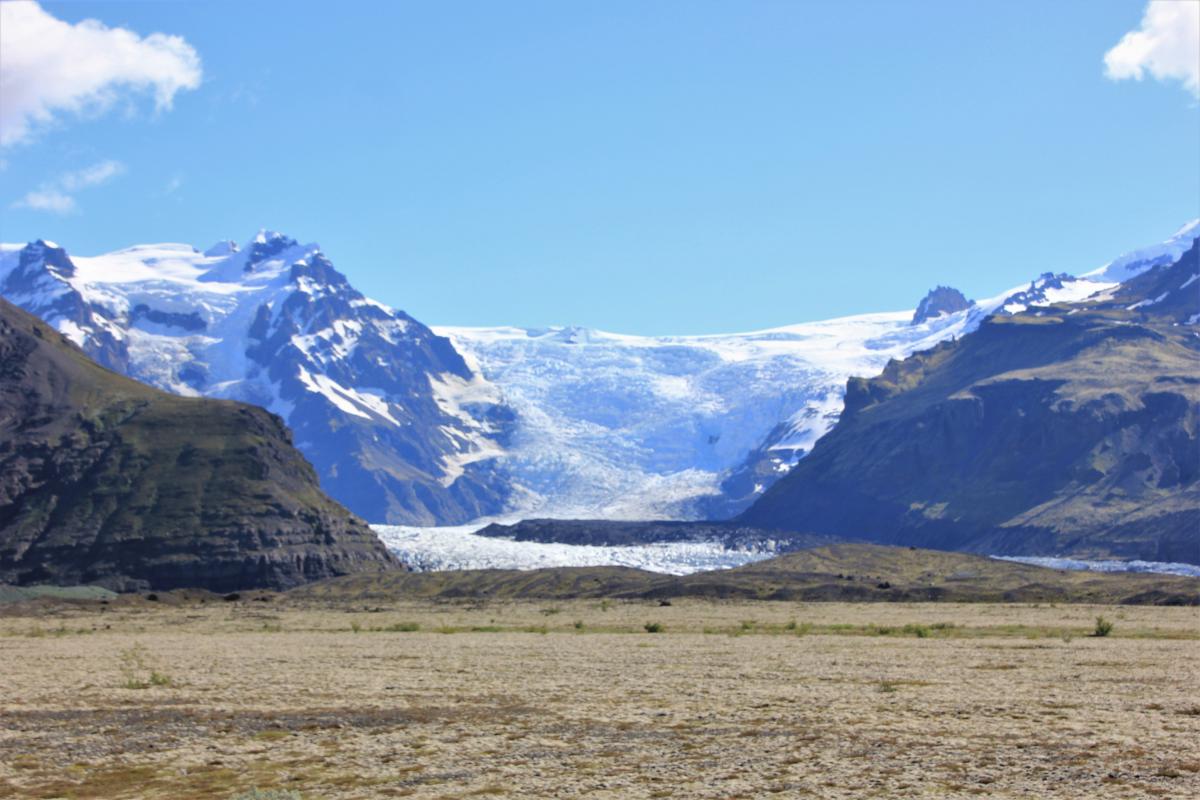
(190, 696)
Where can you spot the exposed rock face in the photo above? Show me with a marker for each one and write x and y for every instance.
(104, 480)
(1065, 430)
(940, 300)
(609, 533)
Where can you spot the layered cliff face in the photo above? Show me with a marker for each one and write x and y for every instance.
(105, 480)
(1070, 429)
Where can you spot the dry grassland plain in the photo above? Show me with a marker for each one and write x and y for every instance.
(597, 699)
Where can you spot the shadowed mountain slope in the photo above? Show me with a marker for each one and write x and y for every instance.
(1070, 429)
(105, 480)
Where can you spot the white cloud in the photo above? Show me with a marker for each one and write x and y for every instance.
(47, 200)
(1167, 45)
(58, 196)
(94, 175)
(49, 67)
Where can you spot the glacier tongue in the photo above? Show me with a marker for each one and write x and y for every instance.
(436, 549)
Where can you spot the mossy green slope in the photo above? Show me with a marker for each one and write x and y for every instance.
(105, 480)
(1067, 430)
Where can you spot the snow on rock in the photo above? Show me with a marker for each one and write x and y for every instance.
(1138, 261)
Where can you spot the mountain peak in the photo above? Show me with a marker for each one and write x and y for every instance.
(264, 235)
(49, 254)
(940, 300)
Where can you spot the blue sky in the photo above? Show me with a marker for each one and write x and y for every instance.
(662, 167)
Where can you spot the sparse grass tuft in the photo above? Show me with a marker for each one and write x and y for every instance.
(401, 627)
(268, 794)
(137, 672)
(1103, 627)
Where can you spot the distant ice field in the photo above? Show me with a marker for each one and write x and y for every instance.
(460, 547)
(1161, 567)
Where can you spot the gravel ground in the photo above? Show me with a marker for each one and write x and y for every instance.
(159, 700)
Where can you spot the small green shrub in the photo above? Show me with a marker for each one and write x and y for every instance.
(578, 624)
(402, 627)
(1103, 627)
(654, 627)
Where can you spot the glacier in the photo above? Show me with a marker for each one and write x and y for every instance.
(614, 426)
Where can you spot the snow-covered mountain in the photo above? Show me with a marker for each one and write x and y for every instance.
(399, 428)
(686, 427)
(1136, 262)
(417, 426)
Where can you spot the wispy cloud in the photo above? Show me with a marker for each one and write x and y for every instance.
(1166, 45)
(49, 67)
(58, 196)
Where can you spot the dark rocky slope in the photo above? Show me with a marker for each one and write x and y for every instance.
(104, 480)
(1064, 430)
